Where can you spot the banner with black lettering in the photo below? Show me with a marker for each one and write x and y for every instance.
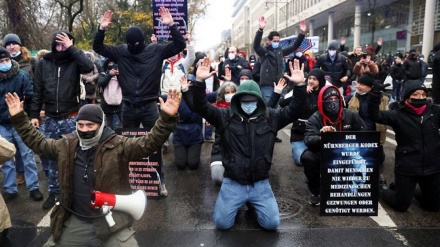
(350, 173)
(144, 173)
(179, 11)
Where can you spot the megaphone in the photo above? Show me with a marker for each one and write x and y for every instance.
(133, 204)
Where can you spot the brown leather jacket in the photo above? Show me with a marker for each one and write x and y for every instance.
(110, 166)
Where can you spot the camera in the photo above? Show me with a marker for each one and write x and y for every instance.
(115, 66)
(364, 55)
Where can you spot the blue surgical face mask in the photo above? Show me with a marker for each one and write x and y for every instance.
(5, 67)
(275, 45)
(17, 54)
(249, 107)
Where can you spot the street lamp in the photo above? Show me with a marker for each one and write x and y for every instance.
(276, 13)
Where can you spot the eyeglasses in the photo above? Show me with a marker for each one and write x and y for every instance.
(419, 95)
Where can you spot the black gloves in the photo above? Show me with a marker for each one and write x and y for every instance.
(379, 87)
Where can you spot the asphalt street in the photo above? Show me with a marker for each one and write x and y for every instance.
(184, 218)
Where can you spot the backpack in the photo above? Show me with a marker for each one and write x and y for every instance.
(165, 66)
(112, 92)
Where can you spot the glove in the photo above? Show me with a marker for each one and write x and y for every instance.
(379, 87)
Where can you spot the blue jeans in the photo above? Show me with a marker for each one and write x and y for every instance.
(298, 149)
(266, 92)
(54, 129)
(113, 119)
(233, 195)
(397, 86)
(27, 156)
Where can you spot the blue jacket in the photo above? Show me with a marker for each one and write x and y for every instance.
(189, 128)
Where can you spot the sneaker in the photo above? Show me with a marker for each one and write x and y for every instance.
(315, 200)
(9, 196)
(50, 202)
(36, 195)
(163, 190)
(19, 178)
(277, 139)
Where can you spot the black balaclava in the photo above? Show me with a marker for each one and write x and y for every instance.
(135, 35)
(332, 109)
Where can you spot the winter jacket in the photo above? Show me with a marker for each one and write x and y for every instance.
(189, 128)
(436, 78)
(57, 83)
(18, 81)
(272, 60)
(7, 151)
(413, 69)
(233, 66)
(111, 170)
(139, 75)
(417, 137)
(336, 69)
(247, 141)
(397, 72)
(359, 103)
(351, 121)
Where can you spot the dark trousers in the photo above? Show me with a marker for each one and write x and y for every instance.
(147, 114)
(405, 190)
(187, 156)
(311, 162)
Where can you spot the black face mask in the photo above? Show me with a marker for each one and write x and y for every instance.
(331, 109)
(86, 134)
(417, 103)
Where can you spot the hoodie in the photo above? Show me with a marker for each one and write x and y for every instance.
(248, 87)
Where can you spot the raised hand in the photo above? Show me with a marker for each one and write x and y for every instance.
(14, 104)
(184, 84)
(262, 22)
(379, 41)
(171, 106)
(297, 74)
(343, 40)
(280, 86)
(204, 69)
(106, 19)
(228, 74)
(165, 16)
(302, 26)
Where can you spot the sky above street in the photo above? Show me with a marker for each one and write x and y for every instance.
(207, 32)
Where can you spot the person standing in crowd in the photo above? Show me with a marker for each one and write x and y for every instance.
(94, 159)
(188, 135)
(436, 75)
(56, 84)
(235, 63)
(13, 79)
(140, 69)
(412, 67)
(397, 73)
(330, 117)
(272, 56)
(111, 97)
(335, 66)
(359, 103)
(246, 160)
(27, 63)
(415, 123)
(315, 82)
(90, 79)
(365, 64)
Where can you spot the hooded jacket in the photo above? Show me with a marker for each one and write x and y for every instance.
(56, 82)
(111, 170)
(417, 136)
(336, 68)
(139, 74)
(272, 60)
(299, 126)
(247, 141)
(348, 121)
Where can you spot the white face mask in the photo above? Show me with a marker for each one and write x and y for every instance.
(332, 52)
(228, 97)
(231, 56)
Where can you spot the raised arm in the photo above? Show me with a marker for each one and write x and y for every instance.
(258, 36)
(98, 42)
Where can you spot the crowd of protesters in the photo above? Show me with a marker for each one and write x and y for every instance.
(238, 103)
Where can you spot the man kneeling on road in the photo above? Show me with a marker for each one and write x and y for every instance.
(98, 159)
(247, 129)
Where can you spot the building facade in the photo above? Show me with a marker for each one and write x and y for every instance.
(402, 24)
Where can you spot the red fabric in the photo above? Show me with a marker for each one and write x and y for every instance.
(222, 104)
(326, 119)
(418, 111)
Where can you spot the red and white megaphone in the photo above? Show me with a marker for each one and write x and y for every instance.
(133, 204)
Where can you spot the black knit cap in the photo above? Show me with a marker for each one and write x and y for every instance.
(90, 112)
(331, 91)
(4, 53)
(245, 72)
(133, 35)
(411, 86)
(367, 79)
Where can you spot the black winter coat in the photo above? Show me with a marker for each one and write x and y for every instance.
(335, 69)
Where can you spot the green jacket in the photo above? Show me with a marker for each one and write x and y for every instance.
(110, 167)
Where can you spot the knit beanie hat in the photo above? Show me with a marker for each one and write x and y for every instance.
(245, 72)
(11, 38)
(90, 112)
(319, 74)
(367, 79)
(4, 53)
(411, 86)
(329, 92)
(54, 38)
(333, 45)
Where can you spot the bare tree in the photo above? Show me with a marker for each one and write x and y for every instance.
(71, 8)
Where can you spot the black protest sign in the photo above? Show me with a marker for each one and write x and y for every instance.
(178, 10)
(144, 173)
(350, 173)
